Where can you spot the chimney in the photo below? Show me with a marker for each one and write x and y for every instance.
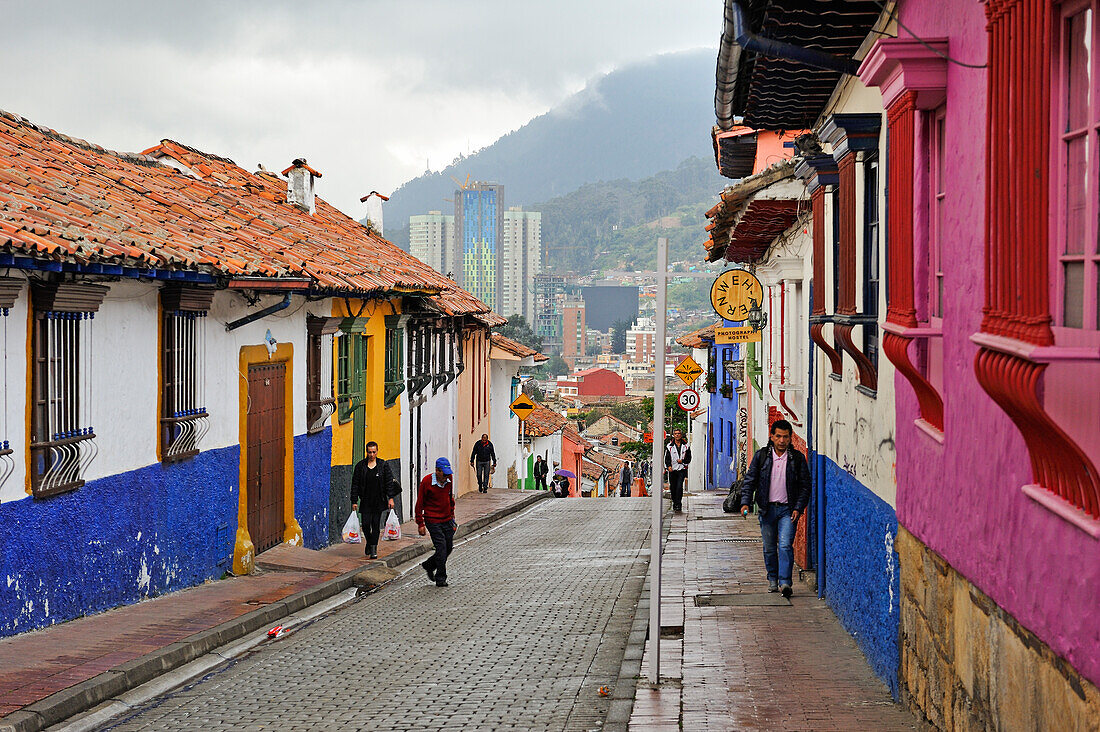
(374, 201)
(299, 185)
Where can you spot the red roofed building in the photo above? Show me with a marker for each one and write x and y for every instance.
(592, 382)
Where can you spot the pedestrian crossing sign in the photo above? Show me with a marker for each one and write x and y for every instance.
(522, 407)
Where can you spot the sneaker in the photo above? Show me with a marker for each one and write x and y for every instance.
(430, 571)
(441, 583)
(773, 587)
(786, 590)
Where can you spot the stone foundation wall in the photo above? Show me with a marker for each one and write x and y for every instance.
(968, 665)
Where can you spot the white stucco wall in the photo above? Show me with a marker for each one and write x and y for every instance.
(503, 425)
(13, 350)
(125, 378)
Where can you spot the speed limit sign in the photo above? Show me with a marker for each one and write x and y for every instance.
(688, 400)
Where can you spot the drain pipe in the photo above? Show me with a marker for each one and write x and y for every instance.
(259, 314)
(738, 32)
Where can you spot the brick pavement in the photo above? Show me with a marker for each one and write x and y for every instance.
(36, 664)
(789, 666)
(534, 622)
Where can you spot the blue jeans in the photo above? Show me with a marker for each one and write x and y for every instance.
(777, 533)
(443, 536)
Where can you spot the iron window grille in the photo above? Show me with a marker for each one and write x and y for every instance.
(395, 358)
(351, 362)
(184, 420)
(320, 387)
(871, 269)
(62, 434)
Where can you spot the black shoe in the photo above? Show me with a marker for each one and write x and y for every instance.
(441, 583)
(773, 587)
(786, 590)
(430, 571)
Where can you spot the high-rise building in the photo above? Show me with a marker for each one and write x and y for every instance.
(522, 260)
(479, 228)
(640, 341)
(574, 331)
(431, 240)
(549, 295)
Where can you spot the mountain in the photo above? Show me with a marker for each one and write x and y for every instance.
(615, 224)
(629, 124)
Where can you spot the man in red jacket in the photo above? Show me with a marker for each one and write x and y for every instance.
(435, 515)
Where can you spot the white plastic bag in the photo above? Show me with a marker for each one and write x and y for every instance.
(392, 530)
(353, 533)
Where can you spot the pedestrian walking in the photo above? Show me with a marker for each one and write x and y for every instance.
(541, 471)
(778, 482)
(373, 488)
(483, 460)
(625, 479)
(677, 457)
(435, 515)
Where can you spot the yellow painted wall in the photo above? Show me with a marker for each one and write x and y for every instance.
(383, 424)
(473, 409)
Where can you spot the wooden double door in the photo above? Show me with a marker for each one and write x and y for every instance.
(266, 454)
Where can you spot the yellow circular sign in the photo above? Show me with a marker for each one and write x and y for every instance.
(733, 293)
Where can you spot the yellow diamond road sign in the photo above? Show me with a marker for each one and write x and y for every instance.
(522, 407)
(689, 371)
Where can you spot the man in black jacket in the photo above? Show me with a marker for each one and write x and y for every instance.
(373, 489)
(541, 471)
(778, 482)
(677, 458)
(483, 460)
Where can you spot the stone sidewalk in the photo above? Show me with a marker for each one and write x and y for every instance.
(761, 663)
(57, 666)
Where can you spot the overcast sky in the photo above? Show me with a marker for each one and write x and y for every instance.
(367, 91)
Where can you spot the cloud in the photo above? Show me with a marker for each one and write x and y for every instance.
(367, 91)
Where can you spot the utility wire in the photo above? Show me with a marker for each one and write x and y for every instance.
(918, 39)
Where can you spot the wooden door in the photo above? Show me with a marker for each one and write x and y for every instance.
(266, 453)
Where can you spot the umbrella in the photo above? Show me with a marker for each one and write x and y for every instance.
(565, 474)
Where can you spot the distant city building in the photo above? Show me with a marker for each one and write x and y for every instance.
(597, 342)
(592, 382)
(521, 261)
(479, 230)
(639, 341)
(431, 240)
(574, 332)
(607, 304)
(549, 297)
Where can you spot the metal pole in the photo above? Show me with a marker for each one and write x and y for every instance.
(658, 464)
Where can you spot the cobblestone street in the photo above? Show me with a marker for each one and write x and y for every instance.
(534, 622)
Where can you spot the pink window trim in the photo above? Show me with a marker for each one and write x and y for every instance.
(1089, 334)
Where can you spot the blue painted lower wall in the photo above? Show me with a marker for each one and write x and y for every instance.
(312, 474)
(861, 569)
(138, 534)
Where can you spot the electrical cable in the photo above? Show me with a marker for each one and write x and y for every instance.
(926, 44)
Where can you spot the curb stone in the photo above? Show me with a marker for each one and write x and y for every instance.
(81, 697)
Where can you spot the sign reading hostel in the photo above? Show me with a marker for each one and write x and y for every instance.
(522, 407)
(725, 336)
(689, 370)
(734, 293)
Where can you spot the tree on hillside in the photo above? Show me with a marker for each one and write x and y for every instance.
(519, 330)
(556, 366)
(618, 335)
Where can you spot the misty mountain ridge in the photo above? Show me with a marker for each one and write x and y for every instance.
(630, 124)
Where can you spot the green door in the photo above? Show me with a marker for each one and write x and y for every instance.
(351, 375)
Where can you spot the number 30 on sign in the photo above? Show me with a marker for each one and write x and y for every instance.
(688, 399)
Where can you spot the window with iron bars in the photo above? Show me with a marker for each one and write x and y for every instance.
(320, 394)
(62, 434)
(395, 360)
(184, 420)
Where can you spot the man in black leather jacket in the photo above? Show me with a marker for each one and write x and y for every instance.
(778, 482)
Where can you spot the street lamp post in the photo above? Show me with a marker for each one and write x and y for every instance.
(658, 464)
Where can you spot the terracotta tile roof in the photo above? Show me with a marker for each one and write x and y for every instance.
(743, 224)
(622, 436)
(591, 470)
(516, 348)
(570, 432)
(698, 338)
(67, 200)
(543, 422)
(610, 462)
